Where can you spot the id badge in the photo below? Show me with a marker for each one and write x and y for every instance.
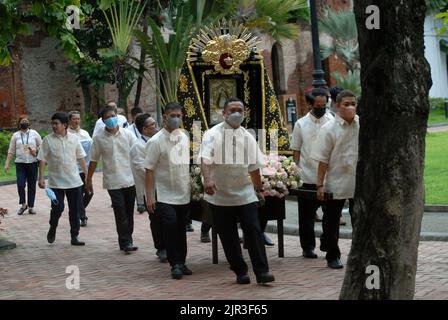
(26, 148)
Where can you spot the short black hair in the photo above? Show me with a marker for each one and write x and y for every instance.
(135, 111)
(61, 116)
(344, 94)
(334, 92)
(140, 121)
(233, 99)
(170, 106)
(105, 110)
(317, 92)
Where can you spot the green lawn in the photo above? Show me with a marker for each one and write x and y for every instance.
(436, 168)
(437, 117)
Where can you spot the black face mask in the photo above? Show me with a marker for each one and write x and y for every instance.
(24, 126)
(319, 112)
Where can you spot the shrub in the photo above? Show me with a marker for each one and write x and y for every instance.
(5, 138)
(436, 103)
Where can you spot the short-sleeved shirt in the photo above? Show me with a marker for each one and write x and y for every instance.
(61, 154)
(337, 146)
(304, 137)
(86, 142)
(134, 131)
(232, 155)
(168, 156)
(114, 152)
(20, 143)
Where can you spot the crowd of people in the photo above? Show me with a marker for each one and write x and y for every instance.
(150, 167)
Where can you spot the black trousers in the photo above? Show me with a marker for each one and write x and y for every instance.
(330, 226)
(225, 223)
(73, 199)
(173, 219)
(26, 173)
(155, 223)
(123, 205)
(307, 213)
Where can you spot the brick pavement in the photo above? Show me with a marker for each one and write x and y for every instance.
(36, 269)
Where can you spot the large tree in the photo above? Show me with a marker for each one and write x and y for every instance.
(389, 196)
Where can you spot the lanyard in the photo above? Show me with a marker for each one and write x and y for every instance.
(27, 137)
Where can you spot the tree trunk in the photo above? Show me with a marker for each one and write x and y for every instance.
(87, 97)
(389, 196)
(142, 60)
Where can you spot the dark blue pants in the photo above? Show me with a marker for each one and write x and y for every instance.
(74, 201)
(26, 173)
(173, 219)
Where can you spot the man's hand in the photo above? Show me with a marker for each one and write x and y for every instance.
(321, 193)
(89, 186)
(209, 187)
(33, 152)
(151, 206)
(41, 183)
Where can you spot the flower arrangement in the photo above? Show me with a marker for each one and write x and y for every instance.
(197, 187)
(279, 175)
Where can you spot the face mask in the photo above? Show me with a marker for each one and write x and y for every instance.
(319, 112)
(173, 123)
(235, 119)
(111, 122)
(24, 125)
(350, 112)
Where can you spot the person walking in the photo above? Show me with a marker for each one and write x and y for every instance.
(304, 137)
(229, 154)
(74, 127)
(61, 151)
(25, 144)
(112, 146)
(168, 172)
(336, 150)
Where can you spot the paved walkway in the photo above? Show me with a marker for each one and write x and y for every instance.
(36, 269)
(440, 128)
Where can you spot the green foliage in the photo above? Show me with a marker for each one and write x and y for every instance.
(436, 5)
(88, 122)
(437, 103)
(436, 169)
(5, 138)
(273, 16)
(352, 82)
(341, 26)
(17, 18)
(168, 57)
(444, 20)
(43, 133)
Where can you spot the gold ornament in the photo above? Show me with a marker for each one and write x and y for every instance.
(183, 83)
(189, 107)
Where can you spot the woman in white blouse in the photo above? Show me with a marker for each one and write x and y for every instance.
(25, 144)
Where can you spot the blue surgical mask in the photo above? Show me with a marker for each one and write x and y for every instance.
(111, 122)
(52, 196)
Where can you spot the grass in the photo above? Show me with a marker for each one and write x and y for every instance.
(436, 168)
(437, 117)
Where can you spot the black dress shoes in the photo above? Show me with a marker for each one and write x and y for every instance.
(309, 254)
(83, 223)
(265, 277)
(176, 271)
(51, 236)
(75, 242)
(129, 247)
(335, 264)
(242, 279)
(268, 241)
(186, 271)
(205, 237)
(189, 227)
